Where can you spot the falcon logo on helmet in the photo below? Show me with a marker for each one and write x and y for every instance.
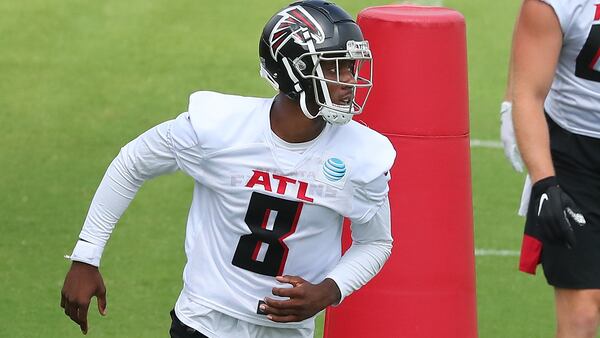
(295, 23)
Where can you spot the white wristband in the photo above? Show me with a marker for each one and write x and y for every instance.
(505, 106)
(86, 252)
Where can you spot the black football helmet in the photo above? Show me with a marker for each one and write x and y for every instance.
(296, 41)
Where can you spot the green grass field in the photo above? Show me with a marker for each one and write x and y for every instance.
(79, 79)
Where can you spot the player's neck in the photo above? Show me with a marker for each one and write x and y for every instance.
(290, 124)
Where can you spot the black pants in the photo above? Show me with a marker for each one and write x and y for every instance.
(180, 330)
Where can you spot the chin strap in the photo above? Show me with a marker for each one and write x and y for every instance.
(330, 115)
(335, 117)
(304, 107)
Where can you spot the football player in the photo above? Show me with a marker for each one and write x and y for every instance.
(557, 124)
(274, 179)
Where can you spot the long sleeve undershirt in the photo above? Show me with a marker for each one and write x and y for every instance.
(152, 154)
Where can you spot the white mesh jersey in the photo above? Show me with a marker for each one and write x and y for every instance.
(574, 98)
(258, 211)
(263, 218)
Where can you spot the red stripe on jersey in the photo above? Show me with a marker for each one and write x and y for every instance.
(595, 65)
(597, 16)
(282, 238)
(531, 251)
(264, 226)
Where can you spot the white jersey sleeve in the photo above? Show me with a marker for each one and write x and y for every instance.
(574, 98)
(562, 10)
(371, 247)
(155, 152)
(370, 213)
(374, 156)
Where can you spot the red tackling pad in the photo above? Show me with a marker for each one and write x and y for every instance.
(420, 102)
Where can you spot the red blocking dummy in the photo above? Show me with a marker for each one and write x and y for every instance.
(420, 102)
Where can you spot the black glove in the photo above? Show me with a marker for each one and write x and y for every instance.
(555, 212)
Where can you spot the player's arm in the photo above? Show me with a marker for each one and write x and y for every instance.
(537, 49)
(507, 132)
(538, 42)
(371, 247)
(149, 155)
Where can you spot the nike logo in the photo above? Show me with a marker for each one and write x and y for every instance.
(543, 199)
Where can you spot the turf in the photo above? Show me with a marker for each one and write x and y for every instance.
(79, 79)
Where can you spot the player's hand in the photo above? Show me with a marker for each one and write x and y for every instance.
(305, 299)
(507, 135)
(556, 212)
(83, 281)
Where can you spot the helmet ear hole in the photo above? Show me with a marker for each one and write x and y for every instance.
(304, 65)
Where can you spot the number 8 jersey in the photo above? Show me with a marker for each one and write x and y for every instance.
(259, 210)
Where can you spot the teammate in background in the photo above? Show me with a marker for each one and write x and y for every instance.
(557, 123)
(508, 138)
(274, 179)
(507, 131)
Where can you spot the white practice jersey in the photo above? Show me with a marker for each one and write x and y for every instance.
(574, 98)
(259, 211)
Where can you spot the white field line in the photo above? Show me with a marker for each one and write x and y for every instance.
(492, 252)
(422, 2)
(475, 143)
(496, 252)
